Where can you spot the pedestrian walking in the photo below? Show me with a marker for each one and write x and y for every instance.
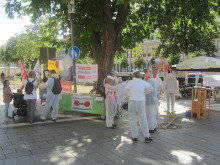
(30, 95)
(2, 76)
(135, 90)
(7, 97)
(53, 96)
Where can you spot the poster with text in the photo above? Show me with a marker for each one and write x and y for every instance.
(53, 65)
(82, 103)
(86, 73)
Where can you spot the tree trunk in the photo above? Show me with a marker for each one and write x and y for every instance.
(105, 45)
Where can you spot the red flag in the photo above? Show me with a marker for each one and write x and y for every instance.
(23, 72)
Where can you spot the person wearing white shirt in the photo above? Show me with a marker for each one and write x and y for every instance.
(135, 90)
(151, 102)
(159, 83)
(171, 87)
(30, 98)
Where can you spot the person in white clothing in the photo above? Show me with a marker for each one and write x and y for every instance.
(135, 90)
(110, 102)
(30, 98)
(159, 83)
(151, 102)
(171, 88)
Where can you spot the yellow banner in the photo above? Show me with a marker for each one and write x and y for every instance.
(53, 65)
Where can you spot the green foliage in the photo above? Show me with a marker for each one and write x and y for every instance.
(139, 61)
(124, 62)
(187, 26)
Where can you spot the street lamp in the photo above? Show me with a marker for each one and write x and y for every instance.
(71, 15)
(4, 49)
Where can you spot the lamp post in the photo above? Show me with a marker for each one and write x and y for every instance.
(4, 49)
(71, 15)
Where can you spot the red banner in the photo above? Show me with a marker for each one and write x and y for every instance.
(23, 72)
(66, 86)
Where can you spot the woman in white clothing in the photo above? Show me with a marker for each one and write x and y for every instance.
(151, 102)
(110, 102)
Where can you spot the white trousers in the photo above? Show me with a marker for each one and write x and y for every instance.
(151, 116)
(51, 101)
(110, 112)
(170, 97)
(136, 110)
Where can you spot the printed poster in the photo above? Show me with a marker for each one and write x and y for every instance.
(53, 65)
(86, 73)
(82, 103)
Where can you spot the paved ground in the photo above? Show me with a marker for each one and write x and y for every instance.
(84, 140)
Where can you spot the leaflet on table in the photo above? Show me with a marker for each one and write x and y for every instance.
(82, 103)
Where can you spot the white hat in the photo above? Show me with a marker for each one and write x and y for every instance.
(110, 77)
(136, 70)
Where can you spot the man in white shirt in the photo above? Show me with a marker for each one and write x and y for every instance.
(171, 87)
(135, 90)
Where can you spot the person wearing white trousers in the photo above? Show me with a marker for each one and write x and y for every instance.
(110, 102)
(52, 100)
(171, 87)
(151, 102)
(135, 91)
(159, 83)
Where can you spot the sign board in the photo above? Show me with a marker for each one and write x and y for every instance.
(53, 65)
(82, 103)
(86, 73)
(74, 52)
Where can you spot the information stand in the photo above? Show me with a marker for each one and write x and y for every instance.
(81, 102)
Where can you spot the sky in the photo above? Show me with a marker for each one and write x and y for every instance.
(10, 27)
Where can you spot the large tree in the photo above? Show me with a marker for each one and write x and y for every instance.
(103, 27)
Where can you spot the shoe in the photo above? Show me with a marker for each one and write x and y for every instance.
(148, 140)
(134, 139)
(54, 120)
(155, 129)
(151, 131)
(112, 127)
(42, 120)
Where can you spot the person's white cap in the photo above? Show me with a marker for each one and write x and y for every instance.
(136, 70)
(110, 77)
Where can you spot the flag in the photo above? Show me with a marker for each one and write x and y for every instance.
(23, 72)
(37, 69)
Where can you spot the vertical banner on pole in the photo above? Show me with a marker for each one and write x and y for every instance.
(23, 72)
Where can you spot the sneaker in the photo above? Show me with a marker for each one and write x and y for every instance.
(42, 120)
(148, 140)
(54, 120)
(134, 139)
(151, 131)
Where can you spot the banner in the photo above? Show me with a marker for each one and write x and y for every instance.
(37, 69)
(53, 65)
(86, 73)
(82, 103)
(66, 86)
(211, 79)
(23, 72)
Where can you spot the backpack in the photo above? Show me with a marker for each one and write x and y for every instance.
(56, 86)
(29, 87)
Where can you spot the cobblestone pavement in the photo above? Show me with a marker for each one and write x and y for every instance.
(84, 140)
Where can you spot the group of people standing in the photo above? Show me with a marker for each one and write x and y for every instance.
(52, 99)
(143, 101)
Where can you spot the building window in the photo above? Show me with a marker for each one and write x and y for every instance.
(148, 54)
(144, 55)
(127, 54)
(132, 67)
(131, 54)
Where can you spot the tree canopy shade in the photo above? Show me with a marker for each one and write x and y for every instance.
(188, 26)
(104, 27)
